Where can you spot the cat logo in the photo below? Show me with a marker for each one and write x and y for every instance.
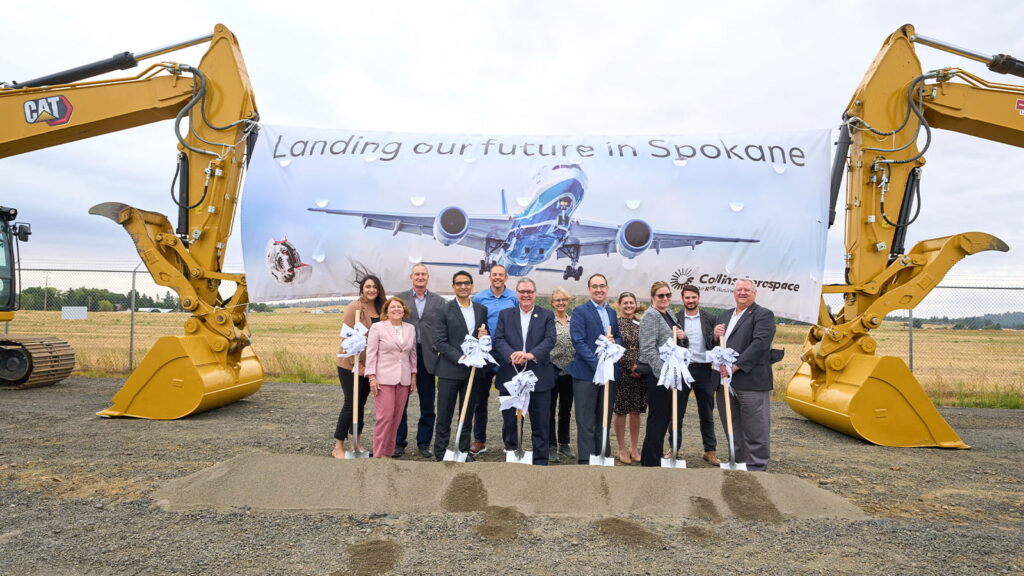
(54, 110)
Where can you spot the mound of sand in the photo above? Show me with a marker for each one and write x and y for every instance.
(291, 482)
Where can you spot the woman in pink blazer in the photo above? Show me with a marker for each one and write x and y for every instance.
(391, 368)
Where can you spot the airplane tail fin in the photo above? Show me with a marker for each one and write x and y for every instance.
(504, 205)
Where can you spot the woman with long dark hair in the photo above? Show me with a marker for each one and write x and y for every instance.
(370, 304)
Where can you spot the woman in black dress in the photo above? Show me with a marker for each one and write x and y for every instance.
(631, 394)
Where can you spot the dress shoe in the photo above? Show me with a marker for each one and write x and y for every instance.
(399, 452)
(624, 458)
(712, 459)
(634, 455)
(470, 457)
(477, 448)
(425, 452)
(564, 450)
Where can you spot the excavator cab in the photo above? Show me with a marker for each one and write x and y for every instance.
(25, 361)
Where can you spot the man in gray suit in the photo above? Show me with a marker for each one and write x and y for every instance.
(748, 329)
(422, 304)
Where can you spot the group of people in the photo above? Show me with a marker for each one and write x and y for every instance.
(413, 345)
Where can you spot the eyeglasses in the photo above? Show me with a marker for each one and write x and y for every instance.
(526, 292)
(559, 300)
(665, 295)
(462, 284)
(598, 286)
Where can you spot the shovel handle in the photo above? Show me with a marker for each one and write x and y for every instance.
(465, 401)
(355, 387)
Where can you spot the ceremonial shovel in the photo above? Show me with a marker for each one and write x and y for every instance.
(454, 454)
(732, 464)
(356, 452)
(519, 455)
(674, 462)
(601, 459)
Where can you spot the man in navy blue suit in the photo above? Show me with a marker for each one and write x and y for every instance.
(589, 321)
(523, 341)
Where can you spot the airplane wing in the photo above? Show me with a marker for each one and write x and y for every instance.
(599, 238)
(480, 227)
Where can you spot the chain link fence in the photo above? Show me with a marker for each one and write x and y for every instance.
(965, 344)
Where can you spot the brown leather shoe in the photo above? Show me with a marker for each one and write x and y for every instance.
(477, 448)
(712, 458)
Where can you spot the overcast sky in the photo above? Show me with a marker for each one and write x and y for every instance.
(503, 67)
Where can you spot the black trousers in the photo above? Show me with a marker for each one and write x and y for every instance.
(659, 417)
(561, 398)
(540, 432)
(344, 426)
(449, 393)
(479, 406)
(704, 395)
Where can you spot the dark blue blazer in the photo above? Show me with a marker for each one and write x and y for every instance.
(584, 329)
(540, 339)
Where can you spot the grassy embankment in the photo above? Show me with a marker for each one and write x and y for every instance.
(956, 367)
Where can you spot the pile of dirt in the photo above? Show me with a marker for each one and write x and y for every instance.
(261, 480)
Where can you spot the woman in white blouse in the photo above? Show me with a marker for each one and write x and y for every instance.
(391, 368)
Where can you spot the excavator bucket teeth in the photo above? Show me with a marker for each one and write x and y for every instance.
(875, 398)
(181, 376)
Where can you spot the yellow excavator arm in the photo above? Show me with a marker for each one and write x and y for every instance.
(887, 130)
(215, 122)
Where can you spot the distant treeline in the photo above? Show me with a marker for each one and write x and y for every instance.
(1005, 320)
(102, 300)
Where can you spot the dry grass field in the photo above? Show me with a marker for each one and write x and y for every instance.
(956, 367)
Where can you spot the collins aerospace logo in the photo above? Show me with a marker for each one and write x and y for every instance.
(682, 277)
(53, 110)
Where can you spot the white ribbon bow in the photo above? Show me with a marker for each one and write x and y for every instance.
(476, 352)
(723, 357)
(608, 353)
(519, 387)
(353, 340)
(674, 369)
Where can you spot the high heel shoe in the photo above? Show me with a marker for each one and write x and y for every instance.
(624, 458)
(635, 455)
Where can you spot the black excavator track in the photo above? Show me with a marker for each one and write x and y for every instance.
(34, 361)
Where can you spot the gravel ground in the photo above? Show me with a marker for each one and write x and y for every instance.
(76, 499)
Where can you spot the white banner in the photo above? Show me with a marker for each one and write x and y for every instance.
(705, 209)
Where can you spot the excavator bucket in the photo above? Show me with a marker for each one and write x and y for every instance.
(874, 398)
(181, 376)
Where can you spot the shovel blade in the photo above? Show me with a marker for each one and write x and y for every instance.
(673, 463)
(734, 466)
(519, 456)
(596, 460)
(454, 456)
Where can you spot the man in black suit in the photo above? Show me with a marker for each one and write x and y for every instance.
(422, 303)
(449, 327)
(748, 329)
(516, 353)
(698, 332)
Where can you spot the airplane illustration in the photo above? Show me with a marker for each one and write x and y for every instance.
(544, 228)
